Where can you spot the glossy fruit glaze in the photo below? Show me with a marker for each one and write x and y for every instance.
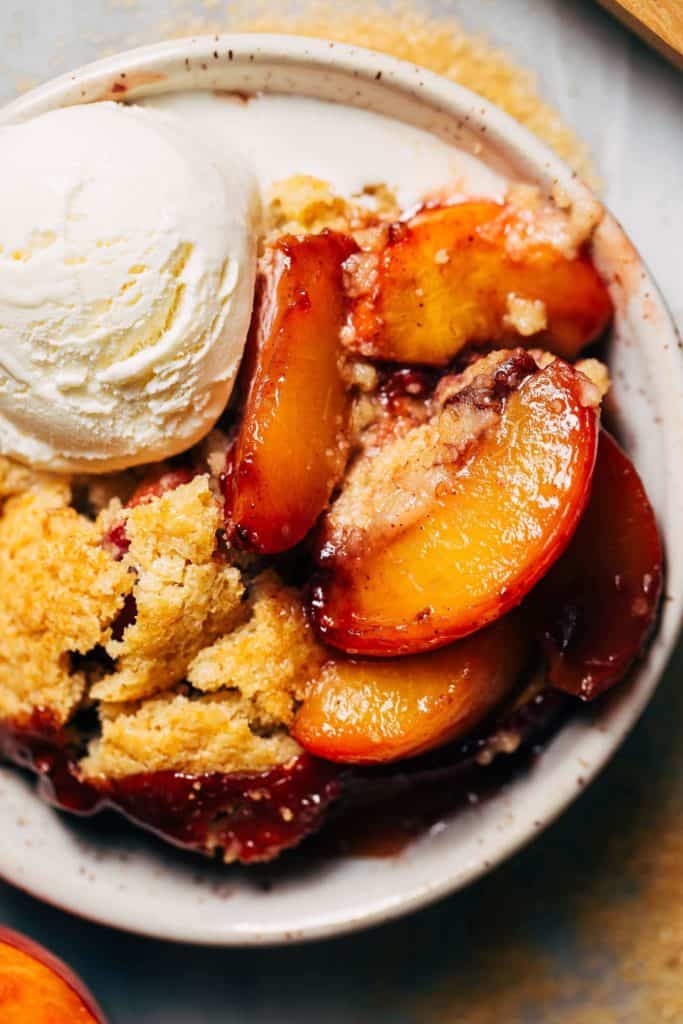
(367, 711)
(598, 604)
(252, 816)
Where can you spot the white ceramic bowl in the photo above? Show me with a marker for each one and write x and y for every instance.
(124, 879)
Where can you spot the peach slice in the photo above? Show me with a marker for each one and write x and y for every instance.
(452, 275)
(37, 988)
(451, 526)
(292, 447)
(365, 712)
(598, 603)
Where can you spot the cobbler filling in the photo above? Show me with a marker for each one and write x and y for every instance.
(404, 548)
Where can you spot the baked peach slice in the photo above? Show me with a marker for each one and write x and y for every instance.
(292, 448)
(450, 526)
(37, 988)
(372, 711)
(475, 272)
(598, 604)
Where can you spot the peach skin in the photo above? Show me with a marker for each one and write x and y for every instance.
(598, 603)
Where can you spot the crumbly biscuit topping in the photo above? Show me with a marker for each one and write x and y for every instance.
(204, 675)
(181, 732)
(525, 316)
(59, 594)
(185, 597)
(15, 478)
(269, 658)
(304, 204)
(567, 226)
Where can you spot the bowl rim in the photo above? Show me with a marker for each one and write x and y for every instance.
(193, 59)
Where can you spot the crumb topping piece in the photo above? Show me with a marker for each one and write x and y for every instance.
(525, 316)
(202, 678)
(252, 679)
(59, 593)
(184, 596)
(305, 204)
(269, 659)
(395, 486)
(186, 733)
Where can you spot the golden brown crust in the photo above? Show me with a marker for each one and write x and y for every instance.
(17, 479)
(59, 593)
(269, 659)
(304, 204)
(204, 679)
(181, 732)
(233, 716)
(185, 597)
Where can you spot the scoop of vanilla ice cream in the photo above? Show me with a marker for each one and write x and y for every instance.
(127, 266)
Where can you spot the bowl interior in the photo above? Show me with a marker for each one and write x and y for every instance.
(137, 884)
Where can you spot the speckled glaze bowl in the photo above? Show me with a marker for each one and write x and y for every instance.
(120, 877)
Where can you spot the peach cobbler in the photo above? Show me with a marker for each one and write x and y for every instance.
(393, 551)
